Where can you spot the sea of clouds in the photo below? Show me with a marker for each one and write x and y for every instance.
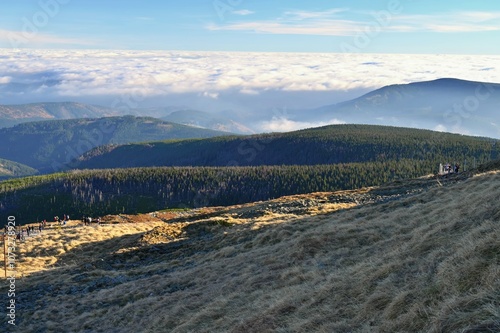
(260, 88)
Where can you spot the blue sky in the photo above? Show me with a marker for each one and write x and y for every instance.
(391, 26)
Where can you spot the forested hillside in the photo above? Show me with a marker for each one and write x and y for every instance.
(140, 190)
(325, 145)
(9, 169)
(324, 159)
(51, 146)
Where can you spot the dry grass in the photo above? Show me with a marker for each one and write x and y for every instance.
(73, 244)
(425, 263)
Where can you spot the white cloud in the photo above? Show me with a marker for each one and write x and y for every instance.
(450, 22)
(5, 79)
(440, 128)
(282, 124)
(244, 86)
(20, 39)
(333, 23)
(243, 12)
(298, 23)
(74, 73)
(249, 91)
(302, 14)
(325, 28)
(211, 95)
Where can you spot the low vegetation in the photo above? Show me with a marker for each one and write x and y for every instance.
(412, 256)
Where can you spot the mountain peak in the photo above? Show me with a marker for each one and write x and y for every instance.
(448, 104)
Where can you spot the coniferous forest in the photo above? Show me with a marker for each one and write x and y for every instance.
(325, 159)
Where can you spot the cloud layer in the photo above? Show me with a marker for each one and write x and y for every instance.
(86, 73)
(243, 86)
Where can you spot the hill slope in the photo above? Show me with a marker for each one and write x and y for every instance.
(9, 169)
(451, 104)
(426, 262)
(352, 157)
(52, 145)
(324, 145)
(15, 114)
(141, 190)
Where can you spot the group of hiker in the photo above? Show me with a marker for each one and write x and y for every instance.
(25, 232)
(87, 220)
(61, 221)
(448, 168)
(28, 231)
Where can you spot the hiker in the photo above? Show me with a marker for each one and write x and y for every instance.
(457, 167)
(28, 231)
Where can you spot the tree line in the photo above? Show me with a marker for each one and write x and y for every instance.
(141, 190)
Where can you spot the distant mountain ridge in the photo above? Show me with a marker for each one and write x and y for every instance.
(11, 115)
(15, 114)
(51, 145)
(446, 104)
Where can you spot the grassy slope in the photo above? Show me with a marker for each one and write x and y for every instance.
(429, 262)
